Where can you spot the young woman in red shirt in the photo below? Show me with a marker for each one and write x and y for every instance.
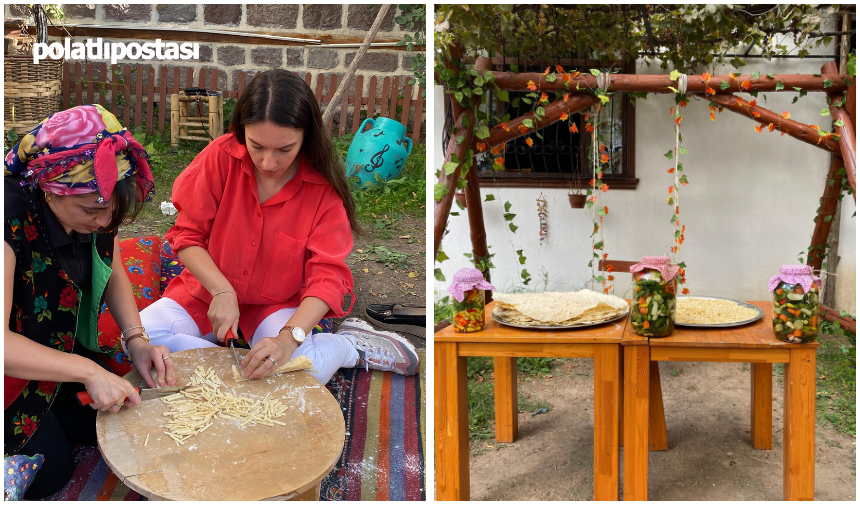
(264, 227)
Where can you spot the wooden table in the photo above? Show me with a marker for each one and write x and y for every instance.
(754, 343)
(505, 344)
(227, 462)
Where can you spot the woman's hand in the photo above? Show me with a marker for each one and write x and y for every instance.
(146, 357)
(224, 314)
(257, 363)
(109, 391)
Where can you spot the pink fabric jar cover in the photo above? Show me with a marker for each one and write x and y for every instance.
(659, 263)
(795, 274)
(466, 279)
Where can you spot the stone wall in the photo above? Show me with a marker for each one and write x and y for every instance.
(304, 21)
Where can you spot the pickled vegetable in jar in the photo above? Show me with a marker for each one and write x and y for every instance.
(796, 304)
(468, 315)
(467, 308)
(652, 310)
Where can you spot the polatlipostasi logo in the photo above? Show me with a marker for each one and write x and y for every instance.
(114, 51)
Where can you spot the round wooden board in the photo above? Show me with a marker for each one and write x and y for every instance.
(227, 461)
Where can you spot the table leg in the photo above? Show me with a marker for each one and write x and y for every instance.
(656, 416)
(636, 397)
(606, 421)
(505, 387)
(621, 398)
(798, 464)
(761, 387)
(452, 423)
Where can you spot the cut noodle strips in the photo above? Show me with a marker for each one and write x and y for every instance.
(708, 311)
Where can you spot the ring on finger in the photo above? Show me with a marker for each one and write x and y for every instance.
(165, 358)
(275, 363)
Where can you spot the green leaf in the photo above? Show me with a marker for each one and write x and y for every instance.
(780, 86)
(674, 75)
(551, 78)
(479, 81)
(677, 233)
(439, 191)
(595, 72)
(817, 74)
(460, 139)
(450, 167)
(828, 83)
(724, 85)
(458, 96)
(601, 212)
(756, 75)
(441, 256)
(483, 132)
(509, 216)
(507, 206)
(683, 180)
(513, 227)
(525, 274)
(528, 123)
(673, 89)
(490, 197)
(438, 275)
(771, 76)
(669, 154)
(839, 122)
(603, 99)
(503, 96)
(682, 150)
(824, 112)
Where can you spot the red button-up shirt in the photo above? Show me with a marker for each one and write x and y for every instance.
(274, 255)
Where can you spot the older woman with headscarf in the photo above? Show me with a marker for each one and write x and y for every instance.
(69, 185)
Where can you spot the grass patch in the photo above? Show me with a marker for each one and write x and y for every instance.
(836, 397)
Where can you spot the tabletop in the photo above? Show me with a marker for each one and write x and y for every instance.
(756, 335)
(494, 332)
(227, 461)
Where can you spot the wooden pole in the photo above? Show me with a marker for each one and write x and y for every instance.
(847, 140)
(329, 110)
(499, 135)
(660, 83)
(800, 131)
(828, 208)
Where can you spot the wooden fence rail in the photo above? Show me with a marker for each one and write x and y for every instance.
(146, 100)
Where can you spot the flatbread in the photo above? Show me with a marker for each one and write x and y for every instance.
(557, 309)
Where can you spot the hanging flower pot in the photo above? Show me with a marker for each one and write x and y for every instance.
(461, 198)
(577, 201)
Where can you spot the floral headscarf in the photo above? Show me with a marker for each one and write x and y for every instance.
(80, 150)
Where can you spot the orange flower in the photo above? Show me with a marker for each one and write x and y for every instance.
(497, 149)
(740, 101)
(604, 158)
(589, 128)
(669, 200)
(786, 114)
(505, 127)
(587, 116)
(573, 128)
(713, 118)
(610, 277)
(671, 170)
(559, 69)
(602, 147)
(677, 210)
(575, 74)
(745, 85)
(482, 147)
(530, 142)
(685, 291)
(566, 95)
(499, 161)
(592, 199)
(814, 127)
(751, 103)
(671, 189)
(678, 120)
(523, 129)
(531, 86)
(604, 187)
(707, 77)
(683, 103)
(563, 116)
(710, 91)
(771, 127)
(544, 98)
(591, 183)
(606, 290)
(566, 78)
(610, 268)
(671, 111)
(605, 208)
(600, 175)
(545, 72)
(758, 128)
(756, 114)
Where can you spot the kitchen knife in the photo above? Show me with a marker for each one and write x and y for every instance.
(84, 398)
(231, 342)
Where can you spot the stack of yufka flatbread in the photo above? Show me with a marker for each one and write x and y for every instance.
(558, 309)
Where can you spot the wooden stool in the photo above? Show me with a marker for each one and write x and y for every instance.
(187, 127)
(227, 462)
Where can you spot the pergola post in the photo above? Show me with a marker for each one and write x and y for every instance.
(847, 141)
(828, 208)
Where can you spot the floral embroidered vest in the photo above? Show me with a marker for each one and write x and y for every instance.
(47, 308)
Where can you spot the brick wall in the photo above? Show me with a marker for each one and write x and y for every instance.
(296, 20)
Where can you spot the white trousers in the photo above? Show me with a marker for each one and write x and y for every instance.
(168, 324)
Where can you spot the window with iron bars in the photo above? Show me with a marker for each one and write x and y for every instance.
(560, 157)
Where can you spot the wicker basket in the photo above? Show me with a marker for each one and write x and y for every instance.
(32, 90)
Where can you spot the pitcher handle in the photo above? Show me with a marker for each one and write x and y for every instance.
(361, 127)
(408, 145)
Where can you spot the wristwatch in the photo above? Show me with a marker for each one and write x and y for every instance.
(297, 333)
(143, 334)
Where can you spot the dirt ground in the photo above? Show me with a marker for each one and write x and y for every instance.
(709, 458)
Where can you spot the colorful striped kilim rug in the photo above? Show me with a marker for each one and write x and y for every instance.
(383, 457)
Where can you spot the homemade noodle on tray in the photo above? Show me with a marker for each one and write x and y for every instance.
(709, 311)
(558, 309)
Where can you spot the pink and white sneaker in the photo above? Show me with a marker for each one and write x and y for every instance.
(381, 350)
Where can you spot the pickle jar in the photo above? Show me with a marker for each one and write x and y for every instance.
(796, 304)
(653, 305)
(467, 307)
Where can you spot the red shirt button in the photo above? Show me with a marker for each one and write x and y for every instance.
(253, 243)
(245, 272)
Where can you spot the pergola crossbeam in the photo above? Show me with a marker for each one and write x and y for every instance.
(847, 141)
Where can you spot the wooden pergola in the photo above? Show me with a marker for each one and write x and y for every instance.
(581, 98)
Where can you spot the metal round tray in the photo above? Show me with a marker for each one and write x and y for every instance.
(758, 316)
(559, 328)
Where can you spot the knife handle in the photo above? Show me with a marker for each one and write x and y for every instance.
(84, 398)
(228, 337)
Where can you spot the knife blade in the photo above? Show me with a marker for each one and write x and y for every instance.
(84, 398)
(231, 342)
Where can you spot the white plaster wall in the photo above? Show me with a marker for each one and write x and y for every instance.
(748, 209)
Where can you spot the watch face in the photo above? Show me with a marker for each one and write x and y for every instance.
(299, 334)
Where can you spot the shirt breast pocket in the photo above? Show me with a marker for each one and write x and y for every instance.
(285, 269)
